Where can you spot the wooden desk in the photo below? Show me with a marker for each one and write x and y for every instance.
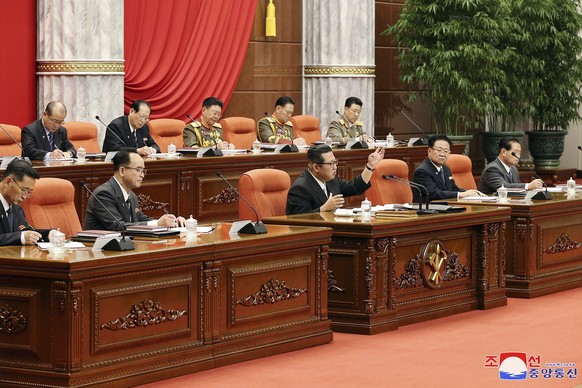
(544, 246)
(189, 185)
(168, 308)
(376, 267)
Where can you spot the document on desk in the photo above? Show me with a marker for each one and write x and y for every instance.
(68, 245)
(480, 198)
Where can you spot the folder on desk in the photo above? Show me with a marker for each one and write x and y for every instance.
(445, 208)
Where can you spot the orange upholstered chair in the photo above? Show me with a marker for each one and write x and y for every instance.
(240, 131)
(384, 191)
(53, 206)
(308, 126)
(7, 145)
(83, 133)
(166, 131)
(266, 189)
(462, 171)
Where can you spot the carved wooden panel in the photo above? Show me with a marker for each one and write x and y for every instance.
(20, 320)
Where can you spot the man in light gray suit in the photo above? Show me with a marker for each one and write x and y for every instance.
(503, 170)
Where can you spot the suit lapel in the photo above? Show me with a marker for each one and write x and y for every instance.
(130, 141)
(123, 210)
(4, 220)
(320, 195)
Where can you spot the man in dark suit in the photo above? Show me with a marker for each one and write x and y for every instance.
(318, 189)
(17, 183)
(503, 170)
(116, 195)
(435, 175)
(47, 138)
(132, 131)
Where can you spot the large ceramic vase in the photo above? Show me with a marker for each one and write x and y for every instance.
(546, 148)
(491, 142)
(462, 139)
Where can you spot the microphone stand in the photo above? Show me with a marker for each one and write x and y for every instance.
(542, 195)
(15, 142)
(420, 141)
(353, 144)
(112, 131)
(417, 187)
(250, 228)
(284, 148)
(207, 151)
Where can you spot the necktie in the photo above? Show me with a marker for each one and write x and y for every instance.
(10, 217)
(51, 141)
(135, 138)
(442, 174)
(128, 204)
(510, 177)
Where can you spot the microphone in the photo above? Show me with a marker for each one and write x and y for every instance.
(545, 195)
(420, 141)
(418, 187)
(353, 143)
(18, 144)
(282, 148)
(206, 151)
(111, 131)
(250, 228)
(190, 117)
(580, 148)
(122, 243)
(8, 159)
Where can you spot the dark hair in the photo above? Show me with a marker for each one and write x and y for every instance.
(314, 153)
(506, 143)
(211, 101)
(353, 100)
(138, 103)
(50, 107)
(282, 101)
(434, 138)
(20, 168)
(122, 158)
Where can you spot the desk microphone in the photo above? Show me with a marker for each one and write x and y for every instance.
(580, 148)
(420, 141)
(12, 137)
(545, 195)
(112, 131)
(207, 151)
(419, 187)
(7, 161)
(122, 243)
(282, 148)
(353, 143)
(190, 117)
(250, 228)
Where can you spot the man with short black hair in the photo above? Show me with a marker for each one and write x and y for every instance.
(206, 132)
(347, 126)
(318, 189)
(436, 176)
(17, 183)
(116, 195)
(132, 131)
(503, 170)
(46, 138)
(276, 128)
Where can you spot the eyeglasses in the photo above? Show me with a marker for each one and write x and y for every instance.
(139, 170)
(332, 163)
(25, 192)
(57, 122)
(441, 151)
(143, 118)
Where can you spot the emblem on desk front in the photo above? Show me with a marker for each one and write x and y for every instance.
(434, 264)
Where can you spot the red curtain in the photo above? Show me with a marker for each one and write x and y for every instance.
(178, 52)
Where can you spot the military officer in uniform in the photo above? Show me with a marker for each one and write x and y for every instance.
(276, 128)
(206, 132)
(347, 127)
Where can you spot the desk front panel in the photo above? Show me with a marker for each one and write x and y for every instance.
(170, 307)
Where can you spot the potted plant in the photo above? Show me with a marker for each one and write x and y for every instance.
(449, 52)
(554, 45)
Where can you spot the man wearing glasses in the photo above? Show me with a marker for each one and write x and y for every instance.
(436, 176)
(276, 128)
(17, 184)
(47, 138)
(116, 194)
(131, 132)
(206, 132)
(318, 189)
(347, 126)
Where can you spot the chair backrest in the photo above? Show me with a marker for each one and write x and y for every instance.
(53, 206)
(266, 189)
(7, 145)
(384, 191)
(240, 131)
(83, 133)
(308, 126)
(166, 131)
(462, 171)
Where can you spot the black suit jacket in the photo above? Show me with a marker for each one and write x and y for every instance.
(35, 143)
(306, 196)
(494, 175)
(8, 237)
(111, 197)
(427, 175)
(121, 127)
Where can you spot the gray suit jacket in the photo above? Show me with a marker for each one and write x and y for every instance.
(111, 196)
(494, 175)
